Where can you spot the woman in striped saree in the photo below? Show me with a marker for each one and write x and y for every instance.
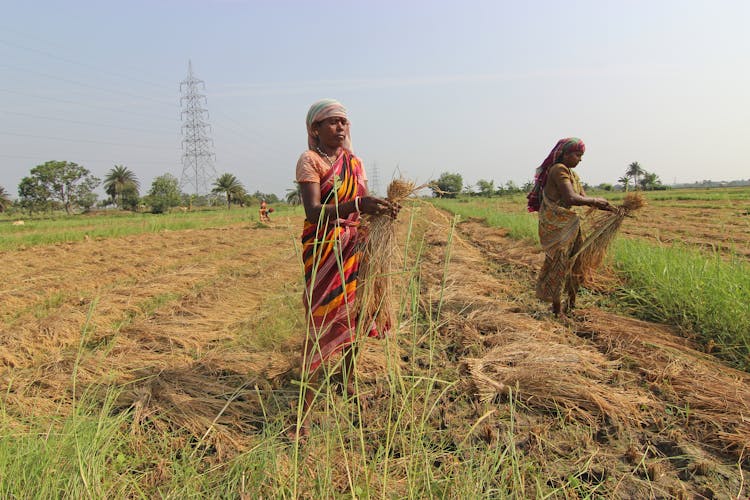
(333, 185)
(557, 189)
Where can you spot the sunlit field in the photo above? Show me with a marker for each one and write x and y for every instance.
(158, 356)
(681, 263)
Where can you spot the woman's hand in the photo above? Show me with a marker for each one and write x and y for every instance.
(378, 206)
(602, 204)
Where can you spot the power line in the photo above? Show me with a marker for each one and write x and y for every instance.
(52, 118)
(78, 63)
(80, 103)
(198, 157)
(374, 180)
(65, 139)
(88, 160)
(58, 78)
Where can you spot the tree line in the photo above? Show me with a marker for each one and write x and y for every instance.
(64, 185)
(450, 184)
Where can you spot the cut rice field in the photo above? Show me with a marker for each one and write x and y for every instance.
(164, 363)
(700, 282)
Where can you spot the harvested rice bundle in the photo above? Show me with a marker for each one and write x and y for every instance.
(554, 377)
(375, 296)
(603, 230)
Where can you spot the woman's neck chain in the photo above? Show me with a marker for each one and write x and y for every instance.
(324, 155)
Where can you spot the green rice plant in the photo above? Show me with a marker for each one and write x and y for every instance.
(679, 285)
(520, 225)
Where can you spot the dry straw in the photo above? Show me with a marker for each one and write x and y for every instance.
(604, 227)
(375, 295)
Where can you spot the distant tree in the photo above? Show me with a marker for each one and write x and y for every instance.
(294, 194)
(485, 188)
(5, 201)
(269, 197)
(634, 171)
(119, 180)
(191, 200)
(87, 201)
(511, 187)
(468, 190)
(33, 195)
(650, 181)
(527, 186)
(130, 197)
(164, 193)
(605, 186)
(66, 182)
(448, 185)
(625, 181)
(230, 186)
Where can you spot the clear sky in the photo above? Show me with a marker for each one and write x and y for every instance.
(480, 88)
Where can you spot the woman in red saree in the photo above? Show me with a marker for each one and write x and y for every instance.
(333, 186)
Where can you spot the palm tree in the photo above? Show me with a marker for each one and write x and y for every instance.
(4, 199)
(625, 181)
(634, 170)
(294, 195)
(229, 185)
(118, 180)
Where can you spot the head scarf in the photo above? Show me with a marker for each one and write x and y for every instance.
(325, 108)
(540, 177)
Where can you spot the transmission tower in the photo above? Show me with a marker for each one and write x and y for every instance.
(198, 169)
(373, 182)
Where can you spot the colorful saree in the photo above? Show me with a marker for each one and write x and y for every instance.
(331, 251)
(560, 237)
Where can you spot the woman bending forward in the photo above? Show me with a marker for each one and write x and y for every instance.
(557, 189)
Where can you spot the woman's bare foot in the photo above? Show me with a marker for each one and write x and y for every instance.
(299, 433)
(352, 393)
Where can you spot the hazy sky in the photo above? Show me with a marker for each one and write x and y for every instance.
(480, 88)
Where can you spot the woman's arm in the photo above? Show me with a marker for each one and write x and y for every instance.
(569, 197)
(367, 205)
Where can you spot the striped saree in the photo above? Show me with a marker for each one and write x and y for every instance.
(331, 250)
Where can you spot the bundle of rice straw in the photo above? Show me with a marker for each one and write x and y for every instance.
(603, 230)
(374, 295)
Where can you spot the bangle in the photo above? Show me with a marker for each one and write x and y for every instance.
(356, 204)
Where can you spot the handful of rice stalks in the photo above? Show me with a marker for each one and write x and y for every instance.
(374, 294)
(603, 230)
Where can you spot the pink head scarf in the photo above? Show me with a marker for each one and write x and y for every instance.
(320, 110)
(540, 177)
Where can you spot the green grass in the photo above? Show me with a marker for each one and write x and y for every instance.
(45, 231)
(521, 225)
(682, 286)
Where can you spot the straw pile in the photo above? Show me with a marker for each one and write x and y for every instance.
(375, 296)
(555, 378)
(603, 230)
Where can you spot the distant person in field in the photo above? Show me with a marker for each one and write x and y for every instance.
(264, 211)
(557, 190)
(333, 186)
